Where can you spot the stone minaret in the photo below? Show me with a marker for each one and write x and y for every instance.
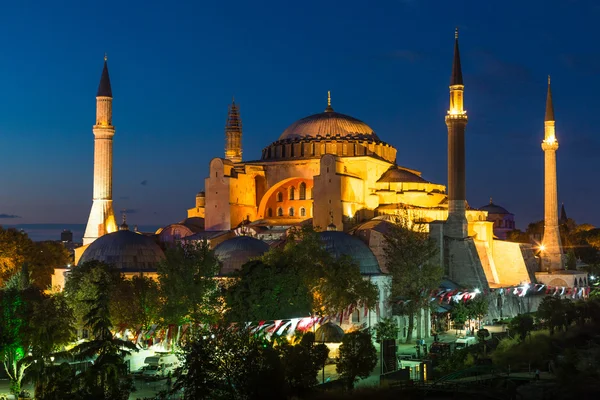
(102, 216)
(456, 120)
(233, 134)
(552, 255)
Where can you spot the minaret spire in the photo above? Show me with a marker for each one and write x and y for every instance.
(549, 106)
(233, 133)
(102, 217)
(552, 256)
(456, 78)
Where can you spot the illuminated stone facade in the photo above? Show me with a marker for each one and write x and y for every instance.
(328, 167)
(102, 218)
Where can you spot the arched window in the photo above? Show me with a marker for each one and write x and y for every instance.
(279, 196)
(292, 193)
(291, 211)
(302, 194)
(303, 212)
(280, 212)
(269, 212)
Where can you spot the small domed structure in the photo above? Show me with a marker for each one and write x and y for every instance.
(126, 250)
(235, 252)
(339, 244)
(174, 232)
(503, 220)
(329, 333)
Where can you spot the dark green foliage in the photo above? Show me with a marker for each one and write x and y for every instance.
(301, 363)
(230, 364)
(357, 357)
(32, 325)
(413, 264)
(386, 328)
(517, 236)
(296, 280)
(107, 377)
(81, 289)
(522, 324)
(136, 303)
(459, 314)
(188, 288)
(16, 249)
(265, 292)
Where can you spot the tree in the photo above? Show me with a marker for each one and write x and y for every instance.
(107, 377)
(298, 279)
(521, 324)
(386, 329)
(188, 286)
(264, 292)
(477, 308)
(33, 325)
(224, 363)
(517, 236)
(571, 260)
(301, 363)
(136, 303)
(459, 314)
(81, 289)
(43, 258)
(552, 312)
(411, 261)
(357, 357)
(16, 248)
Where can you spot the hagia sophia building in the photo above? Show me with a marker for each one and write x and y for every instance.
(330, 170)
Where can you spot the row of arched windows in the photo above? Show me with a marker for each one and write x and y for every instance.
(292, 193)
(291, 212)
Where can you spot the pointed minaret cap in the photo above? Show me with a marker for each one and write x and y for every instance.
(549, 106)
(456, 78)
(329, 108)
(104, 89)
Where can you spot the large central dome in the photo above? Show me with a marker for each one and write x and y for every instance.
(328, 123)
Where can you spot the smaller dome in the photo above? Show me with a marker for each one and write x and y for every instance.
(329, 333)
(126, 250)
(494, 209)
(339, 244)
(237, 251)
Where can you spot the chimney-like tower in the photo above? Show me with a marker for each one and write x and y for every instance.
(552, 255)
(102, 216)
(233, 134)
(456, 121)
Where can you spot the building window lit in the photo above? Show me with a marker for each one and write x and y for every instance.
(292, 193)
(291, 211)
(302, 194)
(269, 212)
(280, 212)
(303, 212)
(279, 196)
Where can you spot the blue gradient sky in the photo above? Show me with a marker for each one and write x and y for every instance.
(175, 65)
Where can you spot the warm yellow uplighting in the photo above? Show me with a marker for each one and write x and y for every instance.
(542, 247)
(550, 139)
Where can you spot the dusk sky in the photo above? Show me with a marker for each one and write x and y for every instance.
(175, 65)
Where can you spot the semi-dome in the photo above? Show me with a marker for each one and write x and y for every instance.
(126, 250)
(400, 174)
(328, 123)
(339, 244)
(235, 252)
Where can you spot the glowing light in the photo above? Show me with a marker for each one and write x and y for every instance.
(593, 278)
(542, 247)
(477, 290)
